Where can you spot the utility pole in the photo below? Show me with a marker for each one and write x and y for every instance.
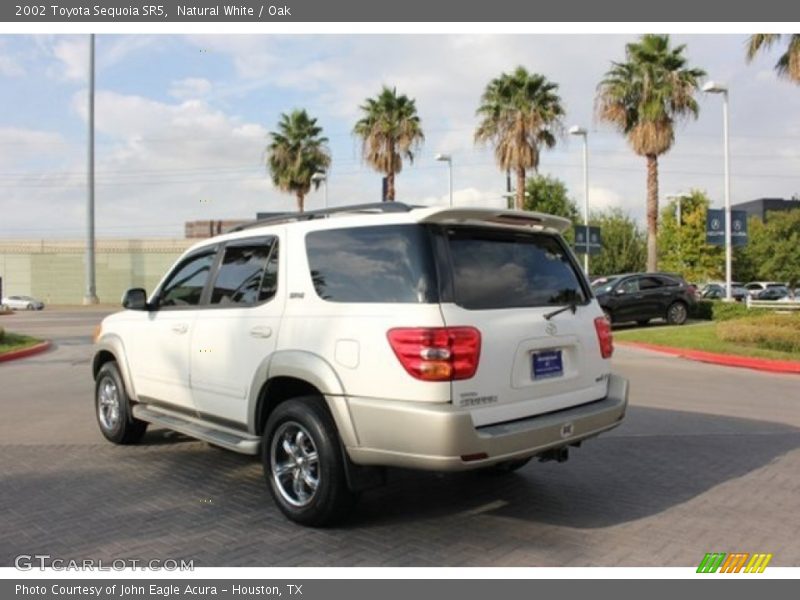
(91, 287)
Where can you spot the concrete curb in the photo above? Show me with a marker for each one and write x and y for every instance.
(25, 352)
(729, 360)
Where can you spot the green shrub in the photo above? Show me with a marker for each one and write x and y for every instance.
(2, 333)
(725, 311)
(704, 309)
(771, 331)
(717, 310)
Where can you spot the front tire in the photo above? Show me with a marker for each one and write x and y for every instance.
(677, 313)
(303, 463)
(113, 408)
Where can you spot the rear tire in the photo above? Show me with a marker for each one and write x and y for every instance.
(113, 408)
(677, 313)
(303, 463)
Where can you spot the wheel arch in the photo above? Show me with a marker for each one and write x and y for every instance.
(290, 374)
(111, 349)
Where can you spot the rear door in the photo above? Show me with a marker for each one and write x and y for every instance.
(656, 293)
(510, 285)
(237, 330)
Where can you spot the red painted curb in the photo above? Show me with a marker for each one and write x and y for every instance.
(728, 360)
(25, 352)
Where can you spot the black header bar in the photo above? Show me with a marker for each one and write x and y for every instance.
(468, 11)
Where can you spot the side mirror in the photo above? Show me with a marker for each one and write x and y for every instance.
(135, 299)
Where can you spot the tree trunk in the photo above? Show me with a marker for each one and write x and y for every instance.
(652, 212)
(301, 200)
(520, 199)
(390, 186)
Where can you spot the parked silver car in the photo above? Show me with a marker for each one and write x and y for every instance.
(22, 303)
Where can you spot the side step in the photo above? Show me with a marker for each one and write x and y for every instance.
(238, 441)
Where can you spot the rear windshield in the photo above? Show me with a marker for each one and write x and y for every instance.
(502, 269)
(388, 263)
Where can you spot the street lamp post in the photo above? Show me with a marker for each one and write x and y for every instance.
(713, 87)
(678, 198)
(322, 178)
(449, 160)
(91, 285)
(580, 131)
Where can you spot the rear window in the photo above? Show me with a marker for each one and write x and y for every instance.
(501, 269)
(390, 263)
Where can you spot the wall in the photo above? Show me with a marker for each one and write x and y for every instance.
(54, 271)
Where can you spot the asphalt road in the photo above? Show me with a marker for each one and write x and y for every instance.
(707, 460)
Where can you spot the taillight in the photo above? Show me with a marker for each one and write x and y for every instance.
(437, 353)
(604, 337)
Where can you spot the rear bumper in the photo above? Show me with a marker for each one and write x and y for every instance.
(436, 437)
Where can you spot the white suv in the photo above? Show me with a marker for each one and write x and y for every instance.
(339, 342)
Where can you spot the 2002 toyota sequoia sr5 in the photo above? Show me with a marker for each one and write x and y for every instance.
(336, 343)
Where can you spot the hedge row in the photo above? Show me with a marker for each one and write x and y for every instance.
(774, 332)
(2, 333)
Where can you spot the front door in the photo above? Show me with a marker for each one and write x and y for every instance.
(158, 344)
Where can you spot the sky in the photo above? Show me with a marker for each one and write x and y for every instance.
(182, 122)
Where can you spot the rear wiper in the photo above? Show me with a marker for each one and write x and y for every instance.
(573, 306)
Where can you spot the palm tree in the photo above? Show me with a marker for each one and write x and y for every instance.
(788, 64)
(389, 130)
(295, 152)
(644, 97)
(520, 113)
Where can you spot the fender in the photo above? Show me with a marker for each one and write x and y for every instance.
(315, 370)
(112, 343)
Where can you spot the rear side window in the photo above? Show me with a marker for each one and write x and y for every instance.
(390, 263)
(501, 269)
(247, 274)
(650, 283)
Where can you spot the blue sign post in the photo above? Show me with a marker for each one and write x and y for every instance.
(595, 244)
(715, 227)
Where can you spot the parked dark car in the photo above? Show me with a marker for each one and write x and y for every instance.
(641, 297)
(716, 291)
(773, 292)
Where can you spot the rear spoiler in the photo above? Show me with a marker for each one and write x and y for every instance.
(512, 218)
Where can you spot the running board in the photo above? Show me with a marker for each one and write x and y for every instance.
(241, 442)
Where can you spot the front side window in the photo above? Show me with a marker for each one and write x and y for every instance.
(185, 286)
(389, 263)
(505, 269)
(247, 274)
(631, 286)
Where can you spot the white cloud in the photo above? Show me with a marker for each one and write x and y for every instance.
(72, 54)
(190, 87)
(156, 157)
(18, 145)
(465, 197)
(10, 66)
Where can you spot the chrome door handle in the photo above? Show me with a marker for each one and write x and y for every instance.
(261, 332)
(180, 328)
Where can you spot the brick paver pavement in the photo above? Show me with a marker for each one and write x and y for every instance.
(680, 478)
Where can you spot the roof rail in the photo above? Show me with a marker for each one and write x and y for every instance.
(375, 207)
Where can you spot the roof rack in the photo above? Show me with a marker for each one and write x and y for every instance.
(375, 207)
